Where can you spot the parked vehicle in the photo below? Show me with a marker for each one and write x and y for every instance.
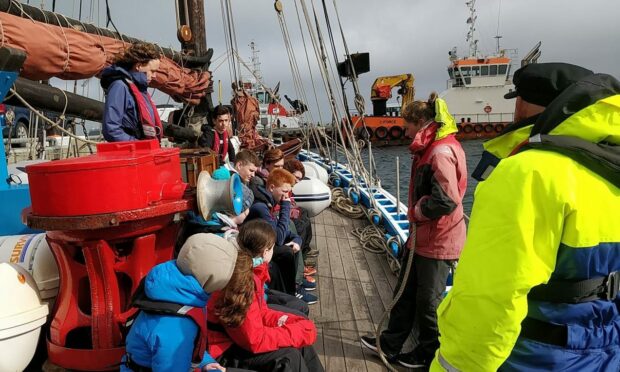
(17, 121)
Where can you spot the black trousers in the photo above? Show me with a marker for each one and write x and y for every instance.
(287, 359)
(417, 307)
(283, 266)
(303, 225)
(285, 302)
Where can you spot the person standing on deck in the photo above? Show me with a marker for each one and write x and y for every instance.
(216, 137)
(537, 284)
(130, 114)
(437, 186)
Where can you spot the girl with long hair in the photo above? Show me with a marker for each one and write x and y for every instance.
(265, 339)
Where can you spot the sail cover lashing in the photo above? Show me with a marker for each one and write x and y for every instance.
(69, 54)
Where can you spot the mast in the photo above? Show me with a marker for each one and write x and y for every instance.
(471, 21)
(193, 37)
(256, 63)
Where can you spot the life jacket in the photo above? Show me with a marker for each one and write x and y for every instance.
(223, 150)
(197, 314)
(151, 126)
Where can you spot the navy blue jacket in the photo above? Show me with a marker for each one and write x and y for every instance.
(166, 342)
(263, 202)
(121, 121)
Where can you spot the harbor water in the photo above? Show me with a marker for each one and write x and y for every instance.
(385, 160)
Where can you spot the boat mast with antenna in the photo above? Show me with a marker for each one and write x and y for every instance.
(256, 63)
(473, 42)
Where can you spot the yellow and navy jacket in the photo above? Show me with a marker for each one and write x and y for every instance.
(545, 220)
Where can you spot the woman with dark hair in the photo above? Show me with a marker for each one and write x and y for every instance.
(265, 339)
(130, 113)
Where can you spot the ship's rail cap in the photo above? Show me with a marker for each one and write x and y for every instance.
(481, 61)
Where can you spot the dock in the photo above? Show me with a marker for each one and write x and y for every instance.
(354, 288)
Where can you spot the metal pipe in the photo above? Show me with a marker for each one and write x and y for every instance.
(370, 165)
(398, 187)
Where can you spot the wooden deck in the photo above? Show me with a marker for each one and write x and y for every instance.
(354, 288)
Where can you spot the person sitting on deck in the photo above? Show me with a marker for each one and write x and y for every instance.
(265, 339)
(272, 204)
(169, 332)
(302, 222)
(129, 112)
(258, 237)
(272, 159)
(246, 165)
(216, 137)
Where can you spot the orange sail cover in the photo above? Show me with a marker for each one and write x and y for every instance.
(69, 54)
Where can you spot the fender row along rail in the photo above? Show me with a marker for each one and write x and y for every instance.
(385, 213)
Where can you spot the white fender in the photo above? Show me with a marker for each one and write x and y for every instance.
(312, 195)
(316, 171)
(21, 317)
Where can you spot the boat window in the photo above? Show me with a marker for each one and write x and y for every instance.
(493, 70)
(484, 70)
(475, 71)
(465, 71)
(502, 69)
(467, 80)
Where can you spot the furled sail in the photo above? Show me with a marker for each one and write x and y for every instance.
(70, 54)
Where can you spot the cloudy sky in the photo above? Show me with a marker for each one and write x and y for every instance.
(402, 36)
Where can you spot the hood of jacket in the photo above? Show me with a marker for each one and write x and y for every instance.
(263, 196)
(165, 282)
(582, 122)
(115, 72)
(424, 138)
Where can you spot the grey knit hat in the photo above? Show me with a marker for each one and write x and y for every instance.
(209, 258)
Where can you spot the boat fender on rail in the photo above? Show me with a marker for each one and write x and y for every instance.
(334, 179)
(394, 243)
(488, 128)
(478, 128)
(468, 128)
(353, 195)
(396, 132)
(499, 127)
(374, 216)
(381, 133)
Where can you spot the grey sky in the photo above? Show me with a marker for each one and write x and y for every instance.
(402, 36)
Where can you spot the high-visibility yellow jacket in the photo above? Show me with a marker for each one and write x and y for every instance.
(541, 216)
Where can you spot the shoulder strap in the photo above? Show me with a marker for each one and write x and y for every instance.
(572, 292)
(197, 314)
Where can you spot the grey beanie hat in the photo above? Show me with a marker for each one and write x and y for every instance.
(209, 258)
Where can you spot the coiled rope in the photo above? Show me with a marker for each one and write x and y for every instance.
(344, 205)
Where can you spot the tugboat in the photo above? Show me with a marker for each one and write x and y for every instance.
(475, 95)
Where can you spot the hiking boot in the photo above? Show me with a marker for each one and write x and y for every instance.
(412, 360)
(370, 343)
(306, 297)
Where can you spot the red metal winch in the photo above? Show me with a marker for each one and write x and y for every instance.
(110, 218)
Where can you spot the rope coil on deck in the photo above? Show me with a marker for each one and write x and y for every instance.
(344, 205)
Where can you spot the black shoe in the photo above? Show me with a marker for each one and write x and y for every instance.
(370, 343)
(412, 360)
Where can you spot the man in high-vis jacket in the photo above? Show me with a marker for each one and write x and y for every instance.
(537, 283)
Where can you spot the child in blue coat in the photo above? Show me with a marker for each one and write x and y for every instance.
(169, 334)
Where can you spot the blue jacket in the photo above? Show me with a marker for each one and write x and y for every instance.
(166, 342)
(121, 121)
(280, 223)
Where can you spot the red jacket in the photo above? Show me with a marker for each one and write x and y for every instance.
(438, 183)
(259, 332)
